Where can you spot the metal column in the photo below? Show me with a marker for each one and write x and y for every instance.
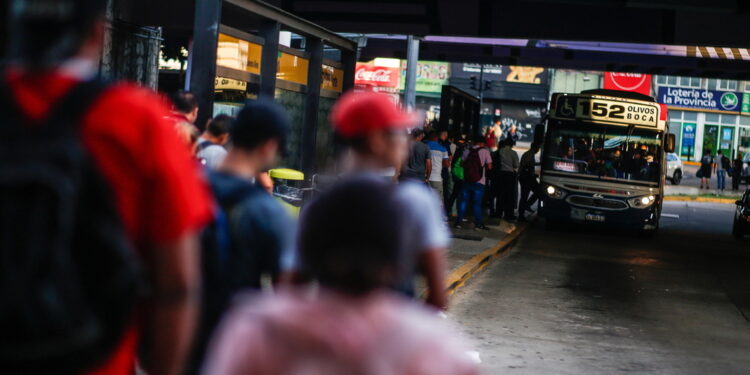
(412, 56)
(269, 31)
(349, 62)
(314, 46)
(203, 56)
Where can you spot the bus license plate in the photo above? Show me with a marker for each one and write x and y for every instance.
(595, 217)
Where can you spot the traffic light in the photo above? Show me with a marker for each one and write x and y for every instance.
(487, 85)
(473, 83)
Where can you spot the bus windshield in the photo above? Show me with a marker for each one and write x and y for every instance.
(603, 151)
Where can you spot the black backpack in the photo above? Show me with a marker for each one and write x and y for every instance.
(69, 279)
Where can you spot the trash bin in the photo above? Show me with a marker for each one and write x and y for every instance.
(287, 187)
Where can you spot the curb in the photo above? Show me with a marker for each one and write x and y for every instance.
(460, 275)
(699, 199)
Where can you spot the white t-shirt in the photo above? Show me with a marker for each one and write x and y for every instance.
(438, 154)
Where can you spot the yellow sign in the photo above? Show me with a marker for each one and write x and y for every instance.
(525, 74)
(223, 83)
(238, 54)
(333, 79)
(292, 68)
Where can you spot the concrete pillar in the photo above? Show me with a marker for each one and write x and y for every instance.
(412, 56)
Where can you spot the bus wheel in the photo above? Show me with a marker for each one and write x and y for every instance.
(677, 177)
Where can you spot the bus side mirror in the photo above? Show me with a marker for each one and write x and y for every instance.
(670, 143)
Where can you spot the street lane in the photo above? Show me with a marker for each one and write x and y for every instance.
(581, 301)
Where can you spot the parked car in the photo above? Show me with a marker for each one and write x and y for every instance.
(674, 168)
(746, 168)
(741, 225)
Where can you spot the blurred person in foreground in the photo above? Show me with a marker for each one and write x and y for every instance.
(210, 147)
(253, 234)
(375, 130)
(160, 201)
(351, 242)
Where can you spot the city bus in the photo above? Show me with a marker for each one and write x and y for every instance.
(604, 159)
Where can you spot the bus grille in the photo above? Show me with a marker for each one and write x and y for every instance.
(598, 203)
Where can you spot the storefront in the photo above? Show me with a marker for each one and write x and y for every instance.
(261, 52)
(706, 114)
(515, 95)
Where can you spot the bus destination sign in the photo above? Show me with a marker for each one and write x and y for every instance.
(606, 110)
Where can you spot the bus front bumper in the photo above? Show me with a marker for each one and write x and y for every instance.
(630, 218)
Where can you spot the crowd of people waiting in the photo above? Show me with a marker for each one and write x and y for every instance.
(148, 250)
(480, 173)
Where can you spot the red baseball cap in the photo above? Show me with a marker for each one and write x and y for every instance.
(359, 113)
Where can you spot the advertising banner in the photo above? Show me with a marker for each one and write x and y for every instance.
(333, 79)
(431, 76)
(502, 73)
(292, 68)
(726, 101)
(370, 75)
(636, 82)
(688, 139)
(524, 116)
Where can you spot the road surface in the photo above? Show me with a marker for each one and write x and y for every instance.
(580, 301)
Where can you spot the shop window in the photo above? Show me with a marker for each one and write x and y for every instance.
(672, 81)
(689, 82)
(712, 118)
(675, 115)
(745, 120)
(725, 84)
(690, 116)
(728, 119)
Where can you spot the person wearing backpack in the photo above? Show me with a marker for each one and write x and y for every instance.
(210, 149)
(457, 175)
(253, 235)
(114, 234)
(476, 161)
(723, 167)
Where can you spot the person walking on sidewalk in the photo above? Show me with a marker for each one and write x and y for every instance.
(418, 164)
(127, 159)
(253, 235)
(440, 162)
(707, 165)
(723, 167)
(375, 130)
(529, 183)
(508, 178)
(476, 162)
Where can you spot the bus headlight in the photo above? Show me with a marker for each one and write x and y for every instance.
(555, 192)
(642, 202)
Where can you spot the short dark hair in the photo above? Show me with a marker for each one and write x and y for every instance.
(219, 125)
(350, 237)
(43, 34)
(707, 151)
(720, 153)
(258, 122)
(416, 133)
(184, 101)
(432, 134)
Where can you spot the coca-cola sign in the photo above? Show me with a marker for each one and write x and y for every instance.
(635, 82)
(376, 76)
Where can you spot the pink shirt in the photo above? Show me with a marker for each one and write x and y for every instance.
(332, 334)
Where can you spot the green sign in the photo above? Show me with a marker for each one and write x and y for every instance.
(431, 76)
(745, 104)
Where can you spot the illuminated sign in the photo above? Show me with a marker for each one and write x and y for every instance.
(333, 79)
(292, 68)
(238, 54)
(610, 110)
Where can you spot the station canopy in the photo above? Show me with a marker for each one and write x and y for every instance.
(671, 37)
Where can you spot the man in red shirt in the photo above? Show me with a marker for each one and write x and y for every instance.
(159, 195)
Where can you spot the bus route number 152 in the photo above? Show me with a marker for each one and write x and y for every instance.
(617, 112)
